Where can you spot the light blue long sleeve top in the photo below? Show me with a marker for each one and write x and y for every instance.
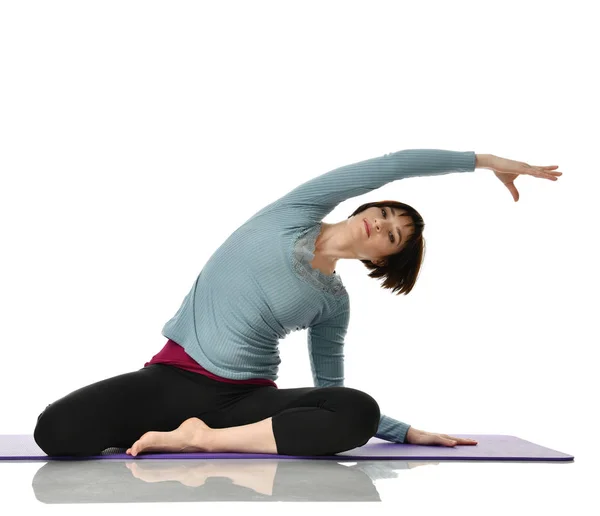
(259, 286)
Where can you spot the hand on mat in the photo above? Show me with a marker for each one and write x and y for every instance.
(414, 436)
(507, 171)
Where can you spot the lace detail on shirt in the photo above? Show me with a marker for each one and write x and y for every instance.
(303, 255)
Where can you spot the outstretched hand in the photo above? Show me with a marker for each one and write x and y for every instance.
(414, 436)
(507, 171)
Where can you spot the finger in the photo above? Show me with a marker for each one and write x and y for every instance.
(461, 440)
(548, 175)
(446, 440)
(466, 441)
(542, 172)
(513, 190)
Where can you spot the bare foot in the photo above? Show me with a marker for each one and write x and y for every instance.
(190, 436)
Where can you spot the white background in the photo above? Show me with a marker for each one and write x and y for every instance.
(135, 137)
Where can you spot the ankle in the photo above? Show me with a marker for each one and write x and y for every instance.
(197, 434)
(209, 439)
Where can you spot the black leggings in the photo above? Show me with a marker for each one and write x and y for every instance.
(117, 411)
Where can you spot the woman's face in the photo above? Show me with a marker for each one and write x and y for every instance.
(388, 230)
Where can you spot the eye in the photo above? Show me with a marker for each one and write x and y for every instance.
(392, 239)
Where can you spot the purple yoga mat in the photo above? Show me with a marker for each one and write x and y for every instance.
(489, 447)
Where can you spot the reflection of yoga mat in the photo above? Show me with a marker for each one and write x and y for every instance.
(489, 447)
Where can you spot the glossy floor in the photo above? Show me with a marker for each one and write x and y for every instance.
(425, 487)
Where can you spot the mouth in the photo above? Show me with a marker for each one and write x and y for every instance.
(367, 228)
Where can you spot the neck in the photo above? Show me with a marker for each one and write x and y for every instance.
(334, 243)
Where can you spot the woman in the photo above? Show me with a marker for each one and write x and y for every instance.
(211, 388)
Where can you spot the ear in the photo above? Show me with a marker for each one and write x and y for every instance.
(379, 263)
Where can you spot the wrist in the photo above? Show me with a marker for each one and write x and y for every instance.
(410, 435)
(483, 160)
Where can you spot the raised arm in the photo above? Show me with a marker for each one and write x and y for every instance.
(323, 193)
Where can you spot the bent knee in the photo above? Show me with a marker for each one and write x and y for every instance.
(364, 411)
(55, 435)
(46, 434)
(369, 411)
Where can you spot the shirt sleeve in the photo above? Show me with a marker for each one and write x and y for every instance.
(326, 353)
(326, 349)
(321, 194)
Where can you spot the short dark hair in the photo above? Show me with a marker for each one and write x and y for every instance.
(402, 268)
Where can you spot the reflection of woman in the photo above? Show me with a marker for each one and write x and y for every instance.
(211, 388)
(59, 481)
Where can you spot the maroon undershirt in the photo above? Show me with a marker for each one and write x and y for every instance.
(173, 354)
